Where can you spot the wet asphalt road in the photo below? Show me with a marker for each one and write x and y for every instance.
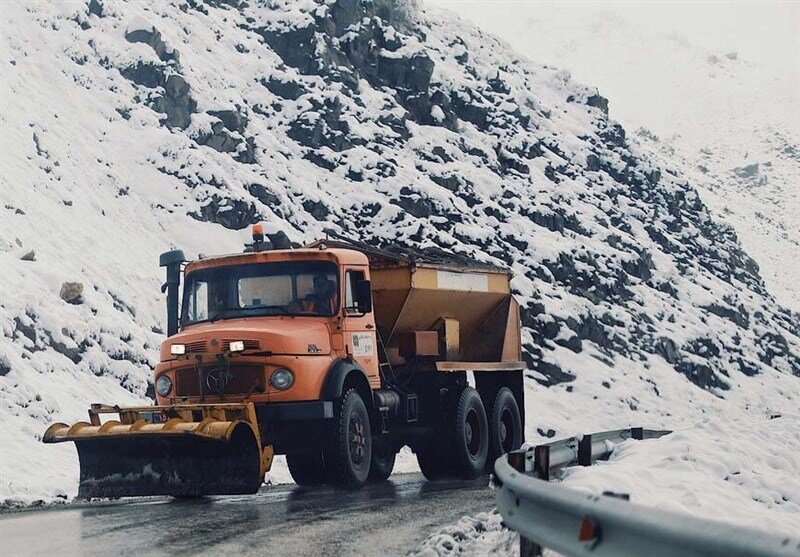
(392, 518)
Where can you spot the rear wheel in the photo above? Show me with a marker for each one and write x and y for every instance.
(307, 469)
(350, 454)
(383, 458)
(461, 446)
(505, 425)
(470, 435)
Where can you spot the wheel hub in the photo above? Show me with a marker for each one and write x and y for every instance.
(357, 441)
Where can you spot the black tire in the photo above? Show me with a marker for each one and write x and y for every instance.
(349, 455)
(470, 435)
(433, 464)
(383, 458)
(307, 470)
(505, 426)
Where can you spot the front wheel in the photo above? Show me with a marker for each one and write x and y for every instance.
(350, 454)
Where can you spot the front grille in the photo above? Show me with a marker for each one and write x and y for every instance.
(243, 379)
(196, 346)
(249, 344)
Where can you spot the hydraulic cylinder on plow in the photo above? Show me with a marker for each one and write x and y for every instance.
(183, 450)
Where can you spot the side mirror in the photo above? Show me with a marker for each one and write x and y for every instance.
(363, 295)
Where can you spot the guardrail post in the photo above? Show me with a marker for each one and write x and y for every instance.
(585, 451)
(541, 462)
(637, 433)
(527, 548)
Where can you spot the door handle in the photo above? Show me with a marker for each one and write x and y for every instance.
(369, 326)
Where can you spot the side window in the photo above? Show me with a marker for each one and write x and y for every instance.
(198, 302)
(352, 278)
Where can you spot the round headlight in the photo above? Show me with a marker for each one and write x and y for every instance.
(282, 379)
(163, 385)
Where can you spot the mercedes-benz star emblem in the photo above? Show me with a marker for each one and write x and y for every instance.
(217, 379)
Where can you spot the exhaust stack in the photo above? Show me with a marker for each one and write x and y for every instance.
(172, 261)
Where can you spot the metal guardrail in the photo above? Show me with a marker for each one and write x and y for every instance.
(577, 524)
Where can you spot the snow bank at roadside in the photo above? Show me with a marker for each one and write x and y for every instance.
(744, 471)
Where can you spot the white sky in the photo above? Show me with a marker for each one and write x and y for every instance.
(651, 58)
(764, 32)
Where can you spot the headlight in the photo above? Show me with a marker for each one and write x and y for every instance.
(282, 379)
(177, 349)
(163, 385)
(236, 346)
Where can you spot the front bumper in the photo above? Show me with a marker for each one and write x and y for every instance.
(294, 411)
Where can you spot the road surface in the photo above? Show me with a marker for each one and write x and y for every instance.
(385, 519)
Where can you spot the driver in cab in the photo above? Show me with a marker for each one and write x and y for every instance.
(323, 300)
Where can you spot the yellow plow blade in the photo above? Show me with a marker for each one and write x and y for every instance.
(187, 450)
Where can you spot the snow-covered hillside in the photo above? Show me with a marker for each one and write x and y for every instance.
(129, 128)
(712, 89)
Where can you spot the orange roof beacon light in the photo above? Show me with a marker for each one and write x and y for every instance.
(258, 232)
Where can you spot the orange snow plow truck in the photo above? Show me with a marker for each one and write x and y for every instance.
(335, 355)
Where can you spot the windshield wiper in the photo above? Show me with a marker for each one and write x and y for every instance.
(220, 314)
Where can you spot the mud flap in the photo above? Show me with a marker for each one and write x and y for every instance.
(178, 465)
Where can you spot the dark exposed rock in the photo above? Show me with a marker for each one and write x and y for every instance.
(667, 348)
(412, 73)
(72, 292)
(738, 315)
(29, 256)
(145, 74)
(287, 89)
(152, 37)
(415, 203)
(264, 195)
(323, 126)
(317, 209)
(295, 46)
(701, 375)
(230, 213)
(233, 120)
(176, 103)
(598, 101)
(96, 8)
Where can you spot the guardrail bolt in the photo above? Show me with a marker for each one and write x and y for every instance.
(615, 495)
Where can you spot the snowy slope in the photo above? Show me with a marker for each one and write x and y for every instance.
(129, 128)
(713, 90)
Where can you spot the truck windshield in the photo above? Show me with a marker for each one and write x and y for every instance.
(282, 288)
